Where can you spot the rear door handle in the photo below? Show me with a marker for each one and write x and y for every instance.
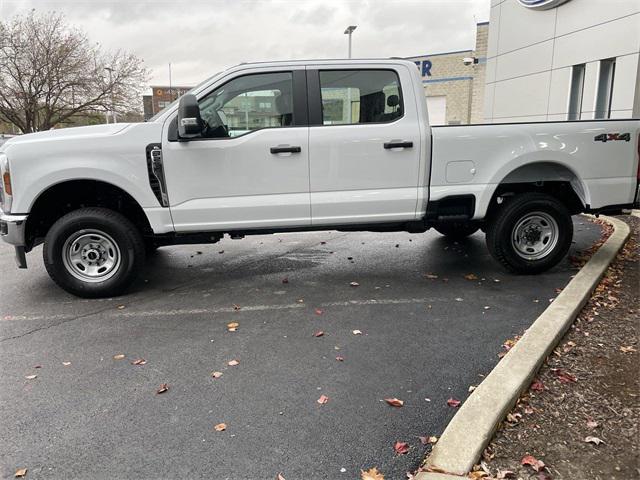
(276, 150)
(389, 145)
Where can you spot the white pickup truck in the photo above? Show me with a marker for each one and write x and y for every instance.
(305, 145)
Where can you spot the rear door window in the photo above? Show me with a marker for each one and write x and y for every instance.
(351, 97)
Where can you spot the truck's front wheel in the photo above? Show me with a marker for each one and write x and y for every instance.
(530, 234)
(93, 252)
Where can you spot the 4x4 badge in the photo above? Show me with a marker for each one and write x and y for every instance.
(612, 137)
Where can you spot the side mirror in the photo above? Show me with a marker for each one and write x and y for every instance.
(189, 120)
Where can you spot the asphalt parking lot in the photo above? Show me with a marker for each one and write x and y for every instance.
(427, 334)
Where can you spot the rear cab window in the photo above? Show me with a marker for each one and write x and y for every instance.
(351, 97)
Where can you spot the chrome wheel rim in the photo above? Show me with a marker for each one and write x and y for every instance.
(91, 256)
(535, 236)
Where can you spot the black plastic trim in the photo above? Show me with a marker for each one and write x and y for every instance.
(454, 207)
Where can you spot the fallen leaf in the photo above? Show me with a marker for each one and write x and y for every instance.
(459, 299)
(139, 361)
(66, 364)
(471, 276)
(452, 402)
(31, 377)
(544, 475)
(428, 440)
(533, 462)
(430, 276)
(505, 474)
(537, 386)
(236, 307)
(594, 440)
(319, 311)
(221, 427)
(319, 333)
(371, 474)
(233, 326)
(21, 472)
(119, 356)
(472, 388)
(323, 399)
(233, 363)
(37, 366)
(163, 388)
(628, 349)
(592, 424)
(280, 477)
(357, 332)
(340, 359)
(477, 474)
(401, 448)
(285, 280)
(394, 402)
(564, 377)
(354, 284)
(216, 374)
(121, 307)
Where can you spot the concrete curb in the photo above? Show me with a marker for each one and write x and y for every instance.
(471, 429)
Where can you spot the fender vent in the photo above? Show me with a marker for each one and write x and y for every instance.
(155, 170)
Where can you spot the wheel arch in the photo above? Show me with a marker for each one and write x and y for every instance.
(65, 196)
(551, 177)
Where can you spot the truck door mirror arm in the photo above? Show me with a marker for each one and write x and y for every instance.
(189, 119)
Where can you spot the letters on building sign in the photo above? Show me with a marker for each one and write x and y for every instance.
(425, 67)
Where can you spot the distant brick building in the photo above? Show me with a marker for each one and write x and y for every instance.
(160, 97)
(454, 90)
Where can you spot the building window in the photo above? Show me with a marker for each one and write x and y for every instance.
(575, 94)
(605, 88)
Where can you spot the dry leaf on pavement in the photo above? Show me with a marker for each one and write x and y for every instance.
(323, 399)
(319, 333)
(394, 402)
(592, 424)
(428, 440)
(471, 276)
(119, 356)
(163, 388)
(401, 448)
(354, 284)
(216, 374)
(319, 311)
(66, 364)
(139, 361)
(31, 377)
(533, 462)
(20, 473)
(357, 332)
(371, 474)
(233, 363)
(453, 402)
(537, 386)
(233, 326)
(339, 358)
(221, 427)
(628, 349)
(594, 440)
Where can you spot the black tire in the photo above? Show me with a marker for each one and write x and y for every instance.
(457, 230)
(512, 250)
(117, 241)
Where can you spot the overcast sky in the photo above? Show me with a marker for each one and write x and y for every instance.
(202, 37)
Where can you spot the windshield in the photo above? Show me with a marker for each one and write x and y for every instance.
(161, 112)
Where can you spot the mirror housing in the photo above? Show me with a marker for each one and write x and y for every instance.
(189, 119)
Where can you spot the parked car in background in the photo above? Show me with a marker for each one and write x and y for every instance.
(305, 145)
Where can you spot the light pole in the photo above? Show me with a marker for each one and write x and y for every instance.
(349, 30)
(113, 106)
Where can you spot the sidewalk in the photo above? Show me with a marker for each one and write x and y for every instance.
(580, 416)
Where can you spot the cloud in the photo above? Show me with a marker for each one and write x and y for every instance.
(201, 37)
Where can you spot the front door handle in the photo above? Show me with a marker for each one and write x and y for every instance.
(276, 150)
(400, 144)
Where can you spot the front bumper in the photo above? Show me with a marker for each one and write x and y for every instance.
(12, 228)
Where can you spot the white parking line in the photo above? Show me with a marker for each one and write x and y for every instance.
(213, 310)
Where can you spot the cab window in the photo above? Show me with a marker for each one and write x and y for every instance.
(248, 103)
(360, 96)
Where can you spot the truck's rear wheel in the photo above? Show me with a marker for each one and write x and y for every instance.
(457, 230)
(530, 234)
(93, 252)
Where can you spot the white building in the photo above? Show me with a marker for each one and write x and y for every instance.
(552, 60)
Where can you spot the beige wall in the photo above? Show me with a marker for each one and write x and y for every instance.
(463, 85)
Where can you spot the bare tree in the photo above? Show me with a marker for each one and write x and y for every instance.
(51, 72)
